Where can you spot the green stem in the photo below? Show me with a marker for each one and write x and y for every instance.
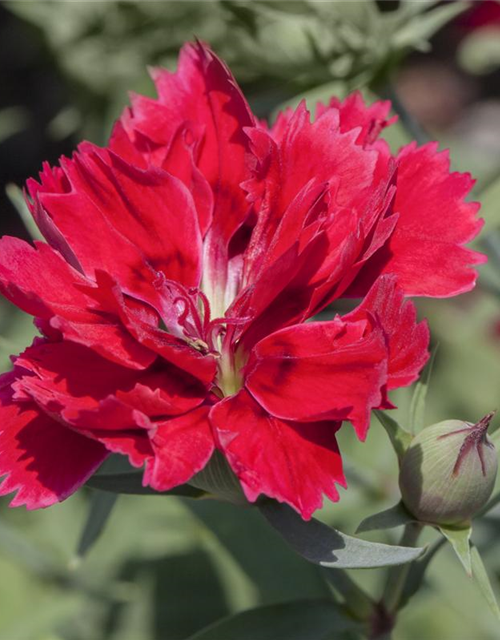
(356, 600)
(396, 576)
(385, 611)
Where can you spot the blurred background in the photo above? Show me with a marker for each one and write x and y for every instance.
(165, 567)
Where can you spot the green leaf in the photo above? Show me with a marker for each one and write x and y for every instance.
(131, 483)
(328, 547)
(410, 8)
(218, 478)
(483, 582)
(420, 28)
(396, 516)
(242, 15)
(299, 620)
(400, 438)
(298, 7)
(459, 538)
(101, 506)
(417, 405)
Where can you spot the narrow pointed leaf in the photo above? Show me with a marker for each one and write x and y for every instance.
(400, 438)
(328, 547)
(483, 582)
(396, 516)
(459, 538)
(131, 483)
(299, 620)
(417, 406)
(101, 506)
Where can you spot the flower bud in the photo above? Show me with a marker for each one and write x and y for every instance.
(448, 472)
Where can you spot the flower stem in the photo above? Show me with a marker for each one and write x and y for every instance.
(396, 576)
(385, 611)
(356, 600)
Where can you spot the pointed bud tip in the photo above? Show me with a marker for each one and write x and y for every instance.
(484, 423)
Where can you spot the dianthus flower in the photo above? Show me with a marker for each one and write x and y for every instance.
(181, 265)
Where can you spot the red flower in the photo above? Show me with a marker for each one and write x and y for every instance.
(181, 264)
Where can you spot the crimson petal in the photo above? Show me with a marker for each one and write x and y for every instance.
(320, 371)
(44, 462)
(182, 446)
(407, 340)
(425, 250)
(203, 90)
(40, 282)
(292, 462)
(144, 218)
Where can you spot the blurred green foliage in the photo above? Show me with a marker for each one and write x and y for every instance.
(276, 49)
(166, 567)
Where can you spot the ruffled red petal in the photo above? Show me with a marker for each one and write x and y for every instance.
(306, 152)
(182, 446)
(203, 101)
(407, 340)
(43, 461)
(158, 391)
(426, 250)
(145, 220)
(293, 462)
(40, 282)
(320, 371)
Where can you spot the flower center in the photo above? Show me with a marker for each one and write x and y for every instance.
(186, 314)
(229, 376)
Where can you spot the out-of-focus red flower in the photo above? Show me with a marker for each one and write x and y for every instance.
(482, 14)
(181, 265)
